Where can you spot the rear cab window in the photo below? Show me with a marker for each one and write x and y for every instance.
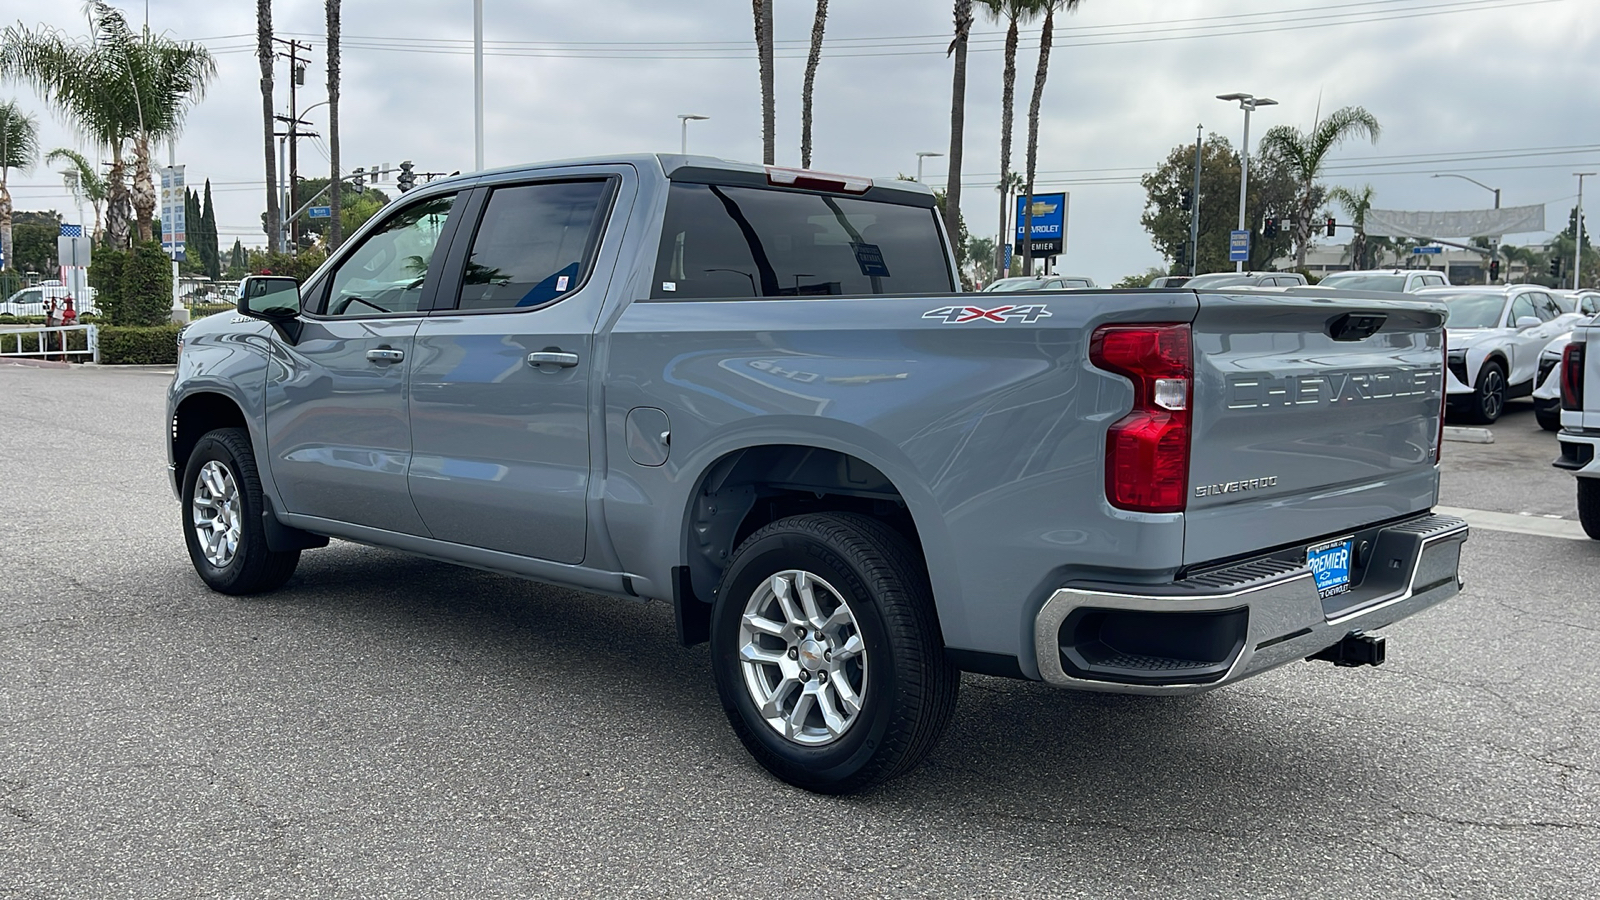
(736, 242)
(534, 245)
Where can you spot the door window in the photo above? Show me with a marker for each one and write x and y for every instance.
(1522, 306)
(534, 244)
(386, 274)
(1547, 307)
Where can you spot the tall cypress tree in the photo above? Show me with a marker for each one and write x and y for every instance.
(194, 257)
(208, 218)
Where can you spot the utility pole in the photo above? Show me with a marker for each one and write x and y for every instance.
(297, 76)
(1577, 245)
(1194, 208)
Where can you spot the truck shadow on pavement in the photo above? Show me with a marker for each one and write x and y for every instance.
(609, 666)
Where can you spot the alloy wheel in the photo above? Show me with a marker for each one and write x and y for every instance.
(803, 658)
(216, 515)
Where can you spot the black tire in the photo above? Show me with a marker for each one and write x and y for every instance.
(1489, 397)
(1589, 506)
(908, 694)
(252, 568)
(1548, 412)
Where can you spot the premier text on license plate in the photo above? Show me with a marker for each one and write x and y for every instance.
(1330, 565)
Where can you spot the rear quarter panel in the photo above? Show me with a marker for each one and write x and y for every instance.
(993, 433)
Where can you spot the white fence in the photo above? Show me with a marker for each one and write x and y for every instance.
(47, 342)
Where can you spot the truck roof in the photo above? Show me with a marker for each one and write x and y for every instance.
(692, 168)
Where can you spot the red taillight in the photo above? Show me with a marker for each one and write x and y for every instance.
(1147, 451)
(817, 181)
(1572, 376)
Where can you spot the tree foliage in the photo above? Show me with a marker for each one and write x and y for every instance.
(1303, 153)
(1272, 193)
(146, 286)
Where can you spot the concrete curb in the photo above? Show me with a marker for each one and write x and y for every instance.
(35, 363)
(1468, 435)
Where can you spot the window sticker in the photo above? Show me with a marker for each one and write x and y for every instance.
(561, 283)
(669, 285)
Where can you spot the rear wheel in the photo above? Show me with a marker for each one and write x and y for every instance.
(1548, 412)
(1489, 398)
(1589, 506)
(222, 506)
(827, 653)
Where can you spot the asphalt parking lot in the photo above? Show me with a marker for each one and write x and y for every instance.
(393, 727)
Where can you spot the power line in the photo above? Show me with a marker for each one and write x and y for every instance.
(914, 45)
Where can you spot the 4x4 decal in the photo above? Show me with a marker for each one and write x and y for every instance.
(960, 315)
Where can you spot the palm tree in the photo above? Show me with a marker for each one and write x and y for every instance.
(1355, 204)
(762, 10)
(264, 56)
(1046, 37)
(958, 118)
(817, 26)
(1305, 152)
(1015, 12)
(85, 182)
(84, 82)
(116, 87)
(19, 147)
(334, 233)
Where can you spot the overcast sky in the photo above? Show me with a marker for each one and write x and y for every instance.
(1503, 91)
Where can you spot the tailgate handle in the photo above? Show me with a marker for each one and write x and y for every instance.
(1355, 326)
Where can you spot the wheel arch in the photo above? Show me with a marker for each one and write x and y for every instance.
(196, 414)
(748, 486)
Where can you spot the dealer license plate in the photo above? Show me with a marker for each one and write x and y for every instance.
(1330, 565)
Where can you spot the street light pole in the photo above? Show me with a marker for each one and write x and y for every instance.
(1248, 103)
(477, 85)
(921, 155)
(1577, 245)
(684, 119)
(1496, 192)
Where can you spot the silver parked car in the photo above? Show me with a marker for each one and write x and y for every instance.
(1398, 281)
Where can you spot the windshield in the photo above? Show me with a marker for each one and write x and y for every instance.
(1472, 310)
(1005, 285)
(1220, 279)
(1077, 283)
(1395, 283)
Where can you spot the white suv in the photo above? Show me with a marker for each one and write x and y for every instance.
(30, 301)
(1495, 335)
(1400, 281)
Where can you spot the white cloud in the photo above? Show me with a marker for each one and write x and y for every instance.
(1484, 77)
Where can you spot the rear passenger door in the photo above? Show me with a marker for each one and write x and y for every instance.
(504, 368)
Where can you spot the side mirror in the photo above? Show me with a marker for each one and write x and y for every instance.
(1528, 322)
(275, 298)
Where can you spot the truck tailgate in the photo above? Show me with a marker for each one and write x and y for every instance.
(1304, 424)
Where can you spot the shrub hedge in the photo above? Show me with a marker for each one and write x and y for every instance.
(146, 287)
(127, 346)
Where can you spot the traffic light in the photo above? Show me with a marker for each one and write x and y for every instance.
(1182, 257)
(1331, 223)
(1494, 270)
(1186, 199)
(408, 178)
(358, 179)
(1269, 228)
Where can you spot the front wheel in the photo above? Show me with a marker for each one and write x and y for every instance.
(222, 506)
(1589, 506)
(1489, 399)
(827, 653)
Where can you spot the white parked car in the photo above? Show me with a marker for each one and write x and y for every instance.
(1246, 279)
(1041, 283)
(1400, 281)
(30, 301)
(1495, 335)
(1547, 391)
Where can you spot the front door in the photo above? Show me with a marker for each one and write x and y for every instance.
(501, 386)
(338, 417)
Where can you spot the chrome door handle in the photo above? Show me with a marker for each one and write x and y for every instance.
(553, 358)
(386, 355)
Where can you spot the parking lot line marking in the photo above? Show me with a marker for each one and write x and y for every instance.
(1523, 523)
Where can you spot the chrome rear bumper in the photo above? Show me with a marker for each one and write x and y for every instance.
(1223, 625)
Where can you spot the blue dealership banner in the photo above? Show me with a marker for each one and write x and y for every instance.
(1049, 223)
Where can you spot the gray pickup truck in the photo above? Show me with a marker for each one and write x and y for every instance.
(756, 394)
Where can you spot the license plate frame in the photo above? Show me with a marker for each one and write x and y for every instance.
(1332, 564)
